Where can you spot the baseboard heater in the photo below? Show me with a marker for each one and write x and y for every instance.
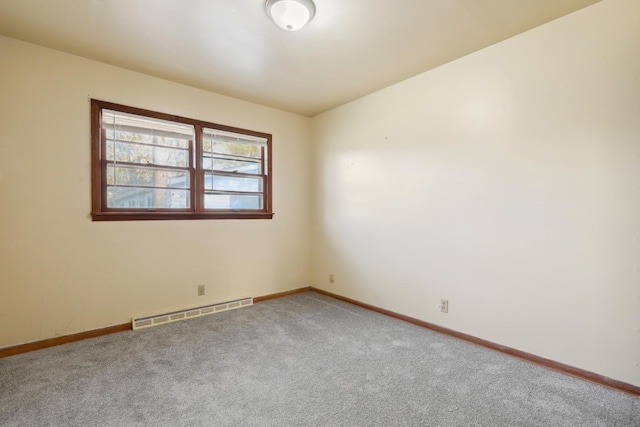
(189, 313)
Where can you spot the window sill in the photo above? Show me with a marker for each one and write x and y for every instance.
(142, 216)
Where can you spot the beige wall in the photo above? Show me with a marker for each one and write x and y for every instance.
(61, 273)
(508, 182)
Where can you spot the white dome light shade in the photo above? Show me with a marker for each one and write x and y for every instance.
(290, 15)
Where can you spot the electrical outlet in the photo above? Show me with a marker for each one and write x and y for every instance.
(444, 305)
(200, 290)
(331, 278)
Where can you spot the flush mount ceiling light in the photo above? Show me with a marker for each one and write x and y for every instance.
(290, 15)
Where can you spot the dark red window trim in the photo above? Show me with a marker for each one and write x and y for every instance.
(99, 210)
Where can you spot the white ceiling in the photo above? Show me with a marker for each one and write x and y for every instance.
(351, 48)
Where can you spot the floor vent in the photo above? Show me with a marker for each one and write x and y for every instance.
(188, 313)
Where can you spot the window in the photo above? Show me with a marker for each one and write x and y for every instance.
(148, 165)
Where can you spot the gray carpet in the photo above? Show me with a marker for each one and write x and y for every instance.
(304, 360)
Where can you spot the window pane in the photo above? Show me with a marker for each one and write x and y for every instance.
(232, 201)
(131, 127)
(232, 183)
(146, 154)
(236, 144)
(238, 149)
(150, 198)
(231, 165)
(147, 138)
(146, 177)
(206, 143)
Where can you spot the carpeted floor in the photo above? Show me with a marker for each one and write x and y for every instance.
(304, 360)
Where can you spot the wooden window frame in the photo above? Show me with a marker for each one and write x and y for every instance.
(99, 209)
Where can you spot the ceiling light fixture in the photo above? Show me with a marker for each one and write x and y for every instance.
(290, 15)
